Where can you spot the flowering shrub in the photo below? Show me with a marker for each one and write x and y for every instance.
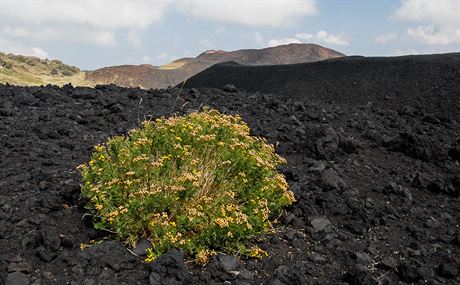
(198, 182)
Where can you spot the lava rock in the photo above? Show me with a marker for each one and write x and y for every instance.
(141, 247)
(169, 269)
(317, 166)
(16, 278)
(288, 275)
(116, 108)
(228, 262)
(448, 270)
(110, 253)
(350, 145)
(319, 228)
(299, 106)
(454, 152)
(7, 109)
(431, 119)
(289, 174)
(389, 262)
(30, 241)
(320, 224)
(363, 258)
(328, 144)
(230, 88)
(408, 273)
(51, 238)
(330, 180)
(245, 275)
(393, 188)
(456, 183)
(317, 258)
(18, 264)
(359, 275)
(45, 254)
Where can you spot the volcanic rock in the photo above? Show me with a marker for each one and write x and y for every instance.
(230, 88)
(330, 180)
(168, 269)
(47, 140)
(16, 278)
(228, 262)
(141, 247)
(18, 264)
(448, 270)
(408, 273)
(389, 262)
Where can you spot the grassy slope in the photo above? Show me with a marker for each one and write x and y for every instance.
(29, 71)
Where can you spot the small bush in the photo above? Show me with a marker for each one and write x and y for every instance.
(8, 65)
(198, 182)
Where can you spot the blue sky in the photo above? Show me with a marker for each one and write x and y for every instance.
(97, 33)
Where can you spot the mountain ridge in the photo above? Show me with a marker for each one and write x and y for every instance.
(147, 76)
(361, 76)
(181, 69)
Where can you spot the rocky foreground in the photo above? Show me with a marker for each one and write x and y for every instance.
(377, 189)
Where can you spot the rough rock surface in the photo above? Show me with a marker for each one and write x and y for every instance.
(377, 190)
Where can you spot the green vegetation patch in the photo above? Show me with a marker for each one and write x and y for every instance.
(199, 182)
(32, 71)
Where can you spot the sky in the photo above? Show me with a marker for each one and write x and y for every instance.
(96, 33)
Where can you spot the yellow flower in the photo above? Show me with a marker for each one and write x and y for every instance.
(99, 147)
(257, 252)
(221, 222)
(203, 256)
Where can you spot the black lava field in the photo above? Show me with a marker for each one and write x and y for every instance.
(377, 184)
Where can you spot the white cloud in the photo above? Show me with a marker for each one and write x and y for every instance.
(441, 20)
(207, 44)
(9, 46)
(102, 39)
(146, 58)
(304, 36)
(385, 38)
(435, 35)
(93, 22)
(258, 38)
(319, 37)
(95, 13)
(436, 11)
(220, 30)
(140, 14)
(324, 37)
(134, 39)
(273, 13)
(433, 49)
(62, 33)
(162, 56)
(405, 51)
(277, 42)
(38, 52)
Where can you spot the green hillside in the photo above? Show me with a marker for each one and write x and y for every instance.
(27, 71)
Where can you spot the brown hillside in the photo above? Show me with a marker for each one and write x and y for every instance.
(284, 54)
(145, 76)
(148, 76)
